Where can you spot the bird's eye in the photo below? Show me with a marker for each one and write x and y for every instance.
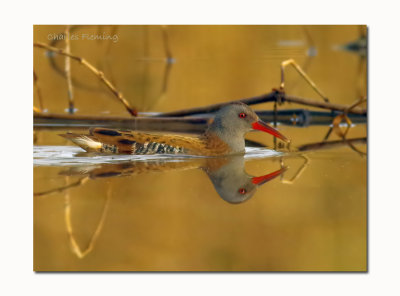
(242, 191)
(242, 115)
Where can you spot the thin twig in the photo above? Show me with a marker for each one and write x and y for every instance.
(339, 118)
(74, 244)
(94, 70)
(60, 70)
(328, 133)
(331, 144)
(114, 30)
(36, 109)
(299, 171)
(311, 53)
(167, 48)
(355, 104)
(169, 61)
(270, 97)
(323, 105)
(71, 107)
(351, 145)
(39, 95)
(336, 122)
(292, 62)
(61, 189)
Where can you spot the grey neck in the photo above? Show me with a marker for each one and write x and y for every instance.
(231, 136)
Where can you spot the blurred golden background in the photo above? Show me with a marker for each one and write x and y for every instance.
(175, 220)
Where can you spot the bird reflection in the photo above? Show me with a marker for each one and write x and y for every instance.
(233, 184)
(227, 174)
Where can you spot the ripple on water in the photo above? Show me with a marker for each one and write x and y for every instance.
(71, 155)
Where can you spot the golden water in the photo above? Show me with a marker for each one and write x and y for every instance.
(173, 218)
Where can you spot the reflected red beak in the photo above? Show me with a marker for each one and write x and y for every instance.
(263, 179)
(262, 126)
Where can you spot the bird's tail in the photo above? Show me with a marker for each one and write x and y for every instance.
(87, 142)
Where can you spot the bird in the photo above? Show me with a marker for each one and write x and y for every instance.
(223, 136)
(233, 184)
(227, 174)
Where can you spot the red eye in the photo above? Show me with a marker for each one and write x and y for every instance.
(242, 115)
(242, 191)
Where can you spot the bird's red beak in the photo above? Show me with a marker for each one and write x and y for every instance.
(263, 179)
(262, 126)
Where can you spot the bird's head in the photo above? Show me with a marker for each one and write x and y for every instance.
(237, 119)
(245, 190)
(231, 181)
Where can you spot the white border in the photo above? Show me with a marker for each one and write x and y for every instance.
(16, 195)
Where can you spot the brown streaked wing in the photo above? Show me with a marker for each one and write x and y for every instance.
(124, 141)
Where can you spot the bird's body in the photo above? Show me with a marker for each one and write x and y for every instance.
(111, 141)
(224, 136)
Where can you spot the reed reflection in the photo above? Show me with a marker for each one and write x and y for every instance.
(227, 174)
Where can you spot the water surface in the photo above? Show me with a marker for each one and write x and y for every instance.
(163, 213)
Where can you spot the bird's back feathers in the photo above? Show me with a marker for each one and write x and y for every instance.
(106, 140)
